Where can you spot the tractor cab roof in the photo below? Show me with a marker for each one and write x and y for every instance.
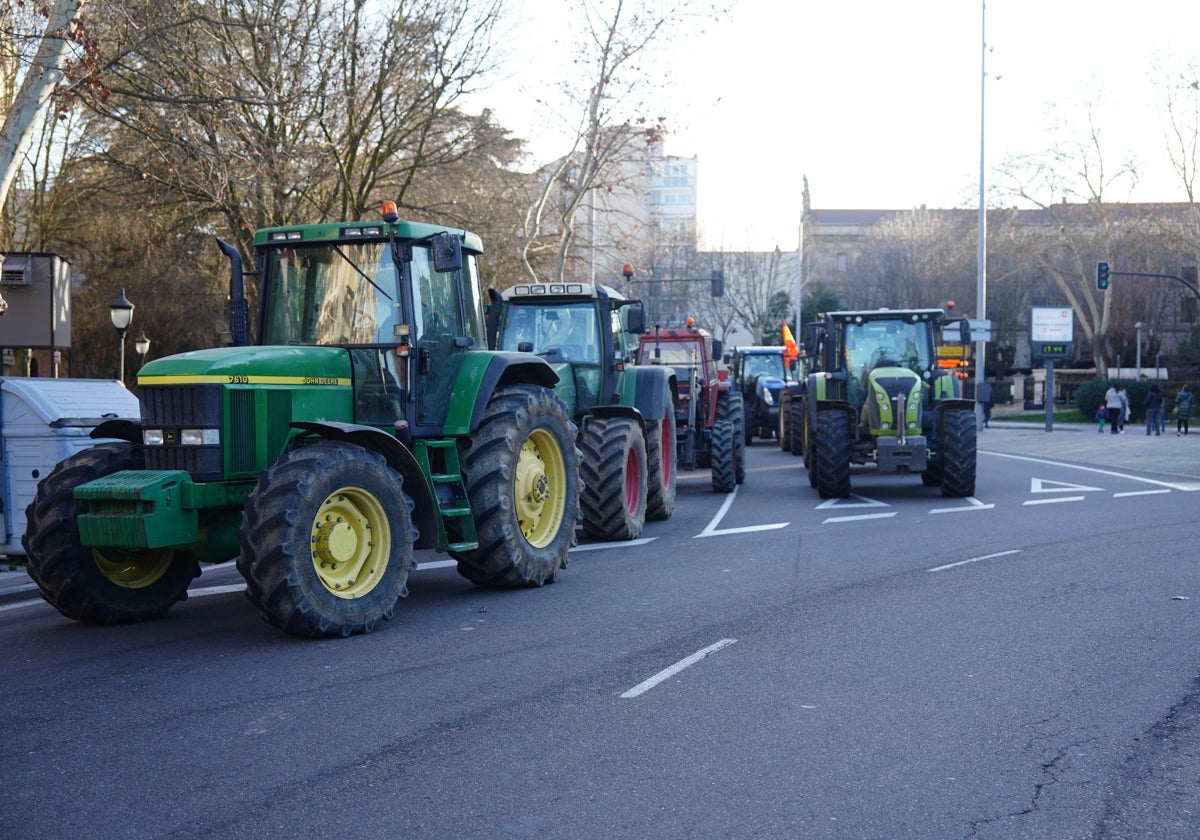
(860, 316)
(531, 292)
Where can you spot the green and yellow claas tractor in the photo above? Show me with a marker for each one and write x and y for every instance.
(876, 395)
(366, 420)
(626, 414)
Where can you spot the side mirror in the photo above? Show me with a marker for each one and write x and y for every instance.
(717, 348)
(635, 320)
(447, 253)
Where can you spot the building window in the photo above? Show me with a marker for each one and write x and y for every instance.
(841, 262)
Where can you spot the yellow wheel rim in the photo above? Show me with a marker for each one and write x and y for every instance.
(133, 569)
(351, 541)
(539, 488)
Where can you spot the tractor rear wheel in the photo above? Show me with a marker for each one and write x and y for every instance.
(832, 454)
(522, 475)
(97, 585)
(327, 540)
(783, 432)
(660, 462)
(613, 469)
(723, 454)
(731, 407)
(958, 452)
(799, 432)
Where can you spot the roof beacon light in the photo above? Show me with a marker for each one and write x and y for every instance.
(389, 212)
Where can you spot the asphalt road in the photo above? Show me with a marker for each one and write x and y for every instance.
(767, 664)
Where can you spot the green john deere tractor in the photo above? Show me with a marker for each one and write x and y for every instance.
(366, 421)
(875, 394)
(589, 334)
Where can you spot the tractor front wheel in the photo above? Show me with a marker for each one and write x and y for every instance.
(660, 461)
(958, 453)
(798, 438)
(327, 540)
(522, 475)
(832, 454)
(97, 585)
(724, 447)
(613, 466)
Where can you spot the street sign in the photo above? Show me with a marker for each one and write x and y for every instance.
(1051, 329)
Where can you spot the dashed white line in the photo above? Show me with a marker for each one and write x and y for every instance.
(667, 673)
(975, 560)
(1054, 501)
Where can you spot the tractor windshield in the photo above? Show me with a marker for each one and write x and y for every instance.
(887, 343)
(675, 353)
(347, 293)
(568, 329)
(763, 364)
(330, 294)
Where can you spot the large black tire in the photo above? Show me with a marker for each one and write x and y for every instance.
(613, 467)
(783, 434)
(723, 448)
(799, 432)
(832, 454)
(327, 540)
(747, 424)
(660, 466)
(731, 407)
(92, 585)
(958, 452)
(522, 475)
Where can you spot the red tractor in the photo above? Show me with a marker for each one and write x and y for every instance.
(708, 418)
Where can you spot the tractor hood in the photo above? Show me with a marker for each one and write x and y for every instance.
(292, 365)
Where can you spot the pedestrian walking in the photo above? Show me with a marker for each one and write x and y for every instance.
(1154, 410)
(1125, 409)
(1101, 417)
(1115, 408)
(1183, 408)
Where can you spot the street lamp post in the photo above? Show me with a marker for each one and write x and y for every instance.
(142, 346)
(1138, 327)
(121, 311)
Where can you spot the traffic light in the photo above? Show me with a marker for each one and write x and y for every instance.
(718, 283)
(1102, 276)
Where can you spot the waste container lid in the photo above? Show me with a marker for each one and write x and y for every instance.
(68, 402)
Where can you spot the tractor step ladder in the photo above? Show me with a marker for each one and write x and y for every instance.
(439, 459)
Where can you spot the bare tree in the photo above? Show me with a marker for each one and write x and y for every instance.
(612, 132)
(38, 80)
(261, 113)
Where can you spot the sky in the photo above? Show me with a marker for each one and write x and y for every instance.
(876, 102)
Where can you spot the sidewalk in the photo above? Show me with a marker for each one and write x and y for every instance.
(1078, 443)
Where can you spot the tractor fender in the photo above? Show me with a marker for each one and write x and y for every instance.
(509, 368)
(399, 458)
(650, 397)
(121, 428)
(617, 411)
(943, 405)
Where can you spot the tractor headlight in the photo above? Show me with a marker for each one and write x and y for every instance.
(199, 437)
(764, 394)
(152, 437)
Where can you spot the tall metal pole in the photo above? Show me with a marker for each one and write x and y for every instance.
(800, 282)
(981, 278)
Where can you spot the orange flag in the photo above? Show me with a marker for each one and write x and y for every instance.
(791, 351)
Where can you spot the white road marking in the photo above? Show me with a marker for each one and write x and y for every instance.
(975, 560)
(863, 501)
(1043, 485)
(667, 673)
(711, 530)
(859, 517)
(625, 544)
(1186, 486)
(1140, 493)
(972, 504)
(1053, 501)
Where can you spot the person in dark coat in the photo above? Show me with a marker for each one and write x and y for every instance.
(1154, 409)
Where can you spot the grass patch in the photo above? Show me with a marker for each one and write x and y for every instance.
(1071, 416)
